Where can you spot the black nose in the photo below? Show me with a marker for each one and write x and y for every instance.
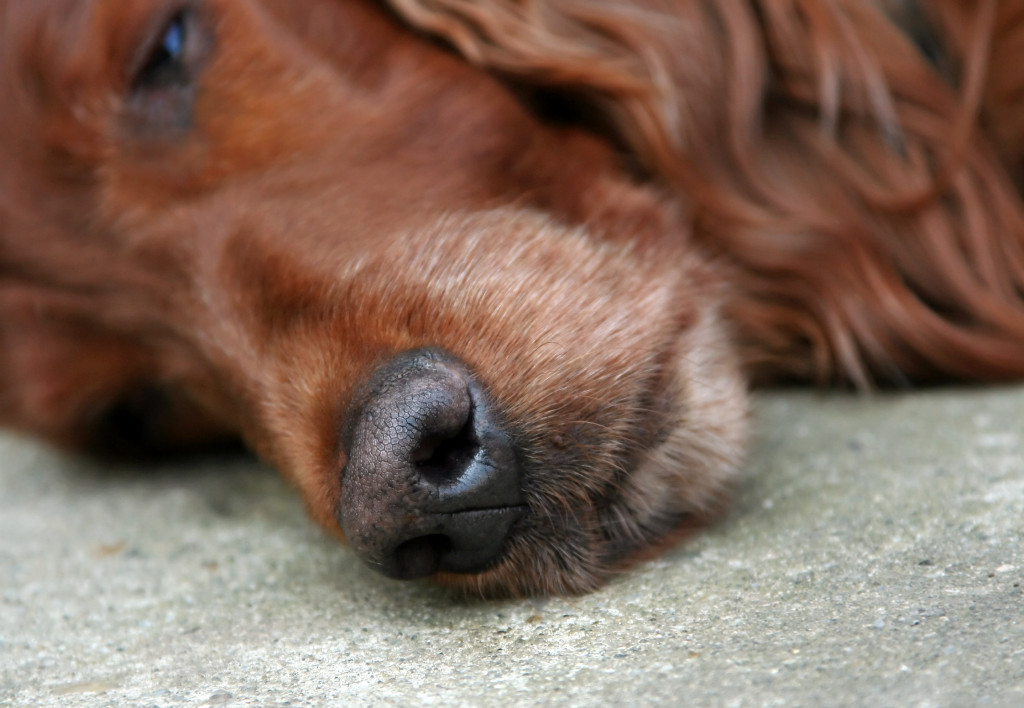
(431, 482)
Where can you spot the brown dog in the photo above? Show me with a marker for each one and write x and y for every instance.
(488, 280)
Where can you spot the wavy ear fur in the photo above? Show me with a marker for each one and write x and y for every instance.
(860, 197)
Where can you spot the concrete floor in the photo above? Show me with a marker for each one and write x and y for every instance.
(875, 556)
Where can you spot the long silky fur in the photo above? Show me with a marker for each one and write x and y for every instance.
(854, 188)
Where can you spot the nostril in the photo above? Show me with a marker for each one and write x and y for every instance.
(442, 459)
(463, 542)
(420, 557)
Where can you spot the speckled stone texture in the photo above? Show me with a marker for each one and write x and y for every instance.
(874, 556)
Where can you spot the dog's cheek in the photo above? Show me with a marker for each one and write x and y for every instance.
(685, 480)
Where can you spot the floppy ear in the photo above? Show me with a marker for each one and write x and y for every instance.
(1003, 98)
(869, 231)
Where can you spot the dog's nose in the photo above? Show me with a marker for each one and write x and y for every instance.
(431, 482)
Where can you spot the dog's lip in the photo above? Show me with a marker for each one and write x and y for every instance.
(660, 401)
(480, 510)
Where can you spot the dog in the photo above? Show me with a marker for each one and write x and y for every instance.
(489, 282)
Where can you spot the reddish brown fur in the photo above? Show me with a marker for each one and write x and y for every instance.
(739, 191)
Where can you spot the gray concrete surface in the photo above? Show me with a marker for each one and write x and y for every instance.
(874, 556)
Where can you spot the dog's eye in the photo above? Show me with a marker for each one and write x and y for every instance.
(165, 64)
(160, 101)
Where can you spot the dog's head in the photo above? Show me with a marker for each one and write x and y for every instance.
(477, 348)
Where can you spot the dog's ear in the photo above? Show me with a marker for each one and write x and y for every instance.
(1003, 98)
(587, 61)
(677, 85)
(870, 231)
